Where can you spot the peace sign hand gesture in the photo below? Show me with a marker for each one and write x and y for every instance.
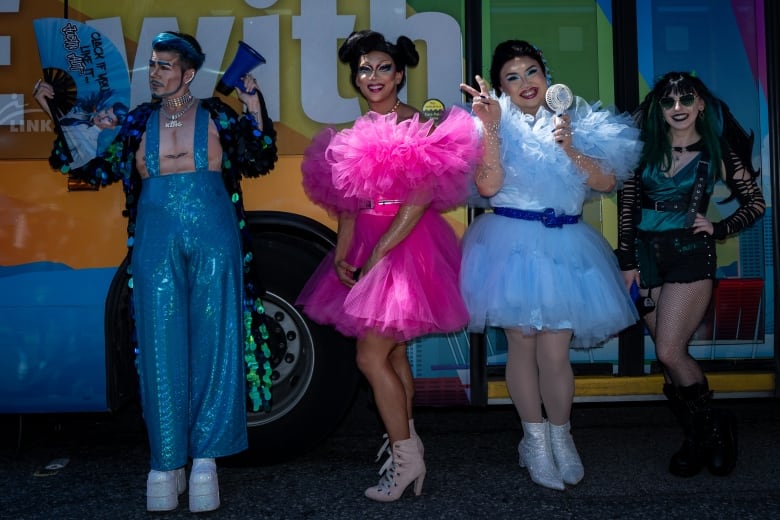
(483, 106)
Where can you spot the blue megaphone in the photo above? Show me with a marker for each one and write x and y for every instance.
(245, 60)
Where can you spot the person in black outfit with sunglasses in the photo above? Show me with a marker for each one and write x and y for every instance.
(666, 245)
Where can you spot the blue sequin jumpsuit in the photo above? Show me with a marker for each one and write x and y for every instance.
(187, 272)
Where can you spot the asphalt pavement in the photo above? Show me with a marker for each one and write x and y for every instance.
(471, 455)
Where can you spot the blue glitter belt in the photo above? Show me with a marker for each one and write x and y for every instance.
(547, 216)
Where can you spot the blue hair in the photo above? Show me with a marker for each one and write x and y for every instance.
(184, 45)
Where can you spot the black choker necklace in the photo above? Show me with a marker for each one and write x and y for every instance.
(693, 147)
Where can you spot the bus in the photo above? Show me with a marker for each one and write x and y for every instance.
(64, 329)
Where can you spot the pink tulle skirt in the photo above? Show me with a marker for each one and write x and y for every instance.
(411, 292)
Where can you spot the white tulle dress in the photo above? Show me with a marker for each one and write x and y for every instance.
(522, 274)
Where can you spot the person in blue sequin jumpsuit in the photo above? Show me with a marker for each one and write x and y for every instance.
(192, 285)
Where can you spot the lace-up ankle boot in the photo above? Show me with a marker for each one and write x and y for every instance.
(536, 454)
(385, 447)
(413, 435)
(565, 455)
(404, 468)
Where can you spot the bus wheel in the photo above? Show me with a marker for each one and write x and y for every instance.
(314, 376)
(121, 373)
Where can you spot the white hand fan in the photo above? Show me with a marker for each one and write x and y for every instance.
(559, 97)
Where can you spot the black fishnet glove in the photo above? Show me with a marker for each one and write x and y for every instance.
(628, 218)
(743, 186)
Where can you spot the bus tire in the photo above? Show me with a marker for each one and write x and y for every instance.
(121, 374)
(315, 378)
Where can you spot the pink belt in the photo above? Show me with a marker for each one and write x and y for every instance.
(380, 206)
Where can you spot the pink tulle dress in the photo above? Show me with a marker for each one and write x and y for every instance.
(369, 171)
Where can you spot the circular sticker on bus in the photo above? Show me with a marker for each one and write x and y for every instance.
(432, 109)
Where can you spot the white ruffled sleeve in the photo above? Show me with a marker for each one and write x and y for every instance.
(610, 138)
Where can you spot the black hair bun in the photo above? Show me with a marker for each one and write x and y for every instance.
(359, 43)
(408, 50)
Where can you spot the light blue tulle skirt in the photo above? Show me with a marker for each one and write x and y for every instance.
(520, 274)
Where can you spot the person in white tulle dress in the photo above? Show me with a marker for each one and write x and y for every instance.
(531, 266)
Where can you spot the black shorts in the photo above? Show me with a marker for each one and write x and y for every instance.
(675, 256)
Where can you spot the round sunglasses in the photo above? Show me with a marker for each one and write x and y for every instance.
(668, 102)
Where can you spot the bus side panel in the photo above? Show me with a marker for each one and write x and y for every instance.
(52, 338)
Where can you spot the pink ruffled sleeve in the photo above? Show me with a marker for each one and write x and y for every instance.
(449, 155)
(379, 158)
(410, 161)
(318, 177)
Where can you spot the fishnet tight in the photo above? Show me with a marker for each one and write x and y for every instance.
(538, 371)
(679, 308)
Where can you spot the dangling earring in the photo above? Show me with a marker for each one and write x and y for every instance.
(701, 115)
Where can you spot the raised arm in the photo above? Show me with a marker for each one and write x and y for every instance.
(43, 92)
(598, 178)
(489, 174)
(257, 132)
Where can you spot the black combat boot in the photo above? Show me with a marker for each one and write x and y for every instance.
(722, 441)
(713, 439)
(693, 454)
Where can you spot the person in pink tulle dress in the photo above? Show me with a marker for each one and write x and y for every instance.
(393, 275)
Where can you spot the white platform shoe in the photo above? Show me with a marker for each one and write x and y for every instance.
(204, 486)
(163, 489)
